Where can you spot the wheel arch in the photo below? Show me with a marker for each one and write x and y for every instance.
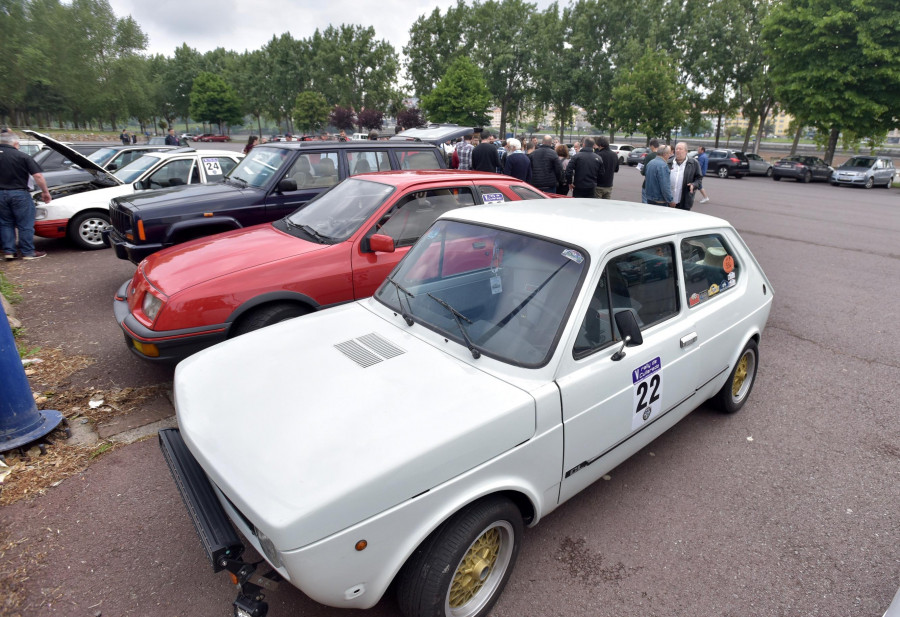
(256, 302)
(190, 229)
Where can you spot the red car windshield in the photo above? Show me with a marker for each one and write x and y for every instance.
(337, 214)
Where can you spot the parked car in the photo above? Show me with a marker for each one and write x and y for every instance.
(758, 165)
(82, 216)
(865, 171)
(272, 181)
(504, 365)
(30, 146)
(92, 167)
(621, 151)
(51, 160)
(636, 156)
(436, 134)
(336, 249)
(209, 137)
(802, 169)
(725, 163)
(894, 609)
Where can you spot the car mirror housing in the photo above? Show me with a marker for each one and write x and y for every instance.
(287, 185)
(380, 243)
(629, 330)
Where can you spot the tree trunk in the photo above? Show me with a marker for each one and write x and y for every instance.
(259, 125)
(832, 144)
(503, 119)
(760, 129)
(796, 139)
(718, 129)
(750, 125)
(612, 133)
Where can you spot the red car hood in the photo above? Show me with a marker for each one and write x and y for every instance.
(184, 265)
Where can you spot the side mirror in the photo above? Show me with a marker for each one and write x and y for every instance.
(629, 330)
(380, 243)
(287, 185)
(139, 185)
(112, 167)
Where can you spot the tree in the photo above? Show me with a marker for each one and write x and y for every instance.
(310, 111)
(461, 96)
(410, 117)
(342, 118)
(837, 64)
(435, 42)
(213, 100)
(371, 119)
(649, 98)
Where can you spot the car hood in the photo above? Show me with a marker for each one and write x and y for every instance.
(194, 193)
(191, 263)
(334, 417)
(860, 170)
(76, 157)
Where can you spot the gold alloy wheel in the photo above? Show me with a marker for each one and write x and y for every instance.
(740, 384)
(481, 570)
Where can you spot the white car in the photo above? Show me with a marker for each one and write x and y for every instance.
(81, 216)
(621, 151)
(514, 356)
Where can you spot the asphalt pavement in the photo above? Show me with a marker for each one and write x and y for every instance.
(788, 508)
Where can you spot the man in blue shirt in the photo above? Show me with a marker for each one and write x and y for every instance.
(703, 159)
(658, 185)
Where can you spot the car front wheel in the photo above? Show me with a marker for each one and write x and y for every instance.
(722, 172)
(806, 178)
(268, 315)
(461, 569)
(737, 389)
(84, 230)
(769, 172)
(870, 182)
(776, 178)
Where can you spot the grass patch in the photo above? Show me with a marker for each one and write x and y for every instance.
(9, 290)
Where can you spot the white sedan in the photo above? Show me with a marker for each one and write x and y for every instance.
(516, 355)
(81, 216)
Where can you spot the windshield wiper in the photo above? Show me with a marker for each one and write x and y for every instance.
(458, 317)
(406, 316)
(238, 180)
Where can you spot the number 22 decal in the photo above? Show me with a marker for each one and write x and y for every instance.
(648, 382)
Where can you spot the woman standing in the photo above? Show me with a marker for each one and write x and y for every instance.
(250, 143)
(563, 153)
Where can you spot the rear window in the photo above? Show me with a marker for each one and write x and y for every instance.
(418, 159)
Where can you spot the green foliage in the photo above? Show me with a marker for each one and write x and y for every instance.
(649, 99)
(9, 290)
(435, 42)
(213, 100)
(461, 96)
(310, 111)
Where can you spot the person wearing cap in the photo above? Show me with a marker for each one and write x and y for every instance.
(16, 204)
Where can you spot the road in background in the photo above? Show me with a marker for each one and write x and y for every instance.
(788, 508)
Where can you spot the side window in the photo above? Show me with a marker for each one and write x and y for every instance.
(314, 170)
(596, 330)
(415, 213)
(525, 193)
(364, 162)
(418, 159)
(216, 167)
(173, 173)
(709, 268)
(491, 194)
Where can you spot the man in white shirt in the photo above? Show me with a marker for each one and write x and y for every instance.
(684, 177)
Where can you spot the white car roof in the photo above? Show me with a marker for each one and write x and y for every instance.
(168, 154)
(596, 225)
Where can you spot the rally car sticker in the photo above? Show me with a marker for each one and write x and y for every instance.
(212, 167)
(490, 198)
(647, 381)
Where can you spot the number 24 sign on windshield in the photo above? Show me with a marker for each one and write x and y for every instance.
(647, 381)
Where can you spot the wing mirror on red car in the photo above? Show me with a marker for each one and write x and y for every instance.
(380, 243)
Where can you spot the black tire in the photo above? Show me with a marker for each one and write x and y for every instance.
(769, 172)
(833, 183)
(84, 230)
(462, 568)
(806, 179)
(740, 382)
(267, 315)
(722, 172)
(776, 178)
(870, 182)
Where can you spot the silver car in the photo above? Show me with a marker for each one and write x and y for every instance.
(865, 171)
(758, 165)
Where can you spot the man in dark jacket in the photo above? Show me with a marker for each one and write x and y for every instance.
(642, 166)
(685, 177)
(517, 163)
(546, 168)
(485, 156)
(610, 167)
(584, 170)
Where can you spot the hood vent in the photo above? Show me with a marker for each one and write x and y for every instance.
(369, 349)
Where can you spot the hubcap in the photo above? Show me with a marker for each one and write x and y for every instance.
(90, 230)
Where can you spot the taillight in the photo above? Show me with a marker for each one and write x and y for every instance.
(734, 160)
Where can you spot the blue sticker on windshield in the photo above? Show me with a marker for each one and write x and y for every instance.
(492, 198)
(433, 233)
(573, 255)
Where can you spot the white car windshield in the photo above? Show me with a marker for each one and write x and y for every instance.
(503, 294)
(136, 168)
(334, 216)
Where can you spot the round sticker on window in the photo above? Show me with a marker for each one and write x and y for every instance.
(728, 263)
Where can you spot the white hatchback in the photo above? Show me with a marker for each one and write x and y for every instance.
(514, 356)
(621, 151)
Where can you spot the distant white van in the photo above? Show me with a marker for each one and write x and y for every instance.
(360, 136)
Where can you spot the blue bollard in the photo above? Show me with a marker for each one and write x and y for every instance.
(20, 420)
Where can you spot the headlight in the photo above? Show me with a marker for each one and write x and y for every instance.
(40, 213)
(151, 306)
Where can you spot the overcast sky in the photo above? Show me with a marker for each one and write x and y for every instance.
(241, 25)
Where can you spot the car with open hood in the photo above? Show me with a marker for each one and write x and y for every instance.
(51, 160)
(865, 171)
(437, 134)
(82, 216)
(272, 181)
(336, 249)
(514, 356)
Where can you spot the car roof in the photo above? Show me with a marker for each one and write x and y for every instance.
(409, 177)
(165, 154)
(343, 145)
(596, 225)
(434, 133)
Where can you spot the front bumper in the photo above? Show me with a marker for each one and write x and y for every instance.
(853, 180)
(126, 250)
(170, 346)
(51, 229)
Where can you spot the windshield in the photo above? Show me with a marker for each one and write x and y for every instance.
(257, 167)
(102, 156)
(136, 168)
(512, 291)
(335, 215)
(859, 161)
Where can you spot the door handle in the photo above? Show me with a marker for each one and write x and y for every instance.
(688, 340)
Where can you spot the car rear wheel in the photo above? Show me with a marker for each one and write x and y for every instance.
(737, 389)
(267, 315)
(870, 182)
(461, 569)
(776, 178)
(769, 172)
(806, 178)
(722, 172)
(84, 230)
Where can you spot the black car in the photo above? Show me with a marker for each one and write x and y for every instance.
(636, 156)
(271, 182)
(802, 169)
(724, 163)
(51, 160)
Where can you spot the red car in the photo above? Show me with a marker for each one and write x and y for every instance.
(211, 137)
(337, 248)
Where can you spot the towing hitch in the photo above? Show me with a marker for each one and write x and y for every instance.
(250, 601)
